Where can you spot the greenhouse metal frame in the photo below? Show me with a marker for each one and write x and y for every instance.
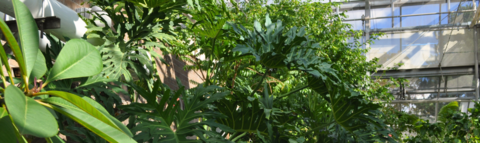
(435, 40)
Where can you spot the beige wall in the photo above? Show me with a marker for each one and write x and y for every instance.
(74, 4)
(174, 69)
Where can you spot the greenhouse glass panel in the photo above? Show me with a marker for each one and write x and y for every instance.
(420, 20)
(424, 84)
(460, 83)
(381, 23)
(354, 14)
(463, 16)
(386, 48)
(425, 49)
(425, 111)
(419, 9)
(356, 25)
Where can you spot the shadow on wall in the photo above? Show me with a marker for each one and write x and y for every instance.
(174, 69)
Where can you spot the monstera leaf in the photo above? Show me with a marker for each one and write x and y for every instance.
(349, 110)
(166, 121)
(272, 47)
(357, 115)
(245, 119)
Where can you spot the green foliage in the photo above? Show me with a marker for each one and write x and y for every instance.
(447, 111)
(164, 119)
(140, 26)
(28, 40)
(455, 126)
(23, 103)
(270, 82)
(29, 116)
(7, 133)
(73, 59)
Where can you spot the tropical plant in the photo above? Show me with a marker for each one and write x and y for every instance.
(273, 82)
(454, 126)
(287, 66)
(176, 116)
(26, 110)
(139, 27)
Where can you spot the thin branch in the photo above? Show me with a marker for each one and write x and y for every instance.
(284, 95)
(258, 85)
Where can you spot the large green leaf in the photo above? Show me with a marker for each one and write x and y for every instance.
(448, 111)
(116, 63)
(7, 34)
(7, 132)
(83, 105)
(29, 116)
(40, 67)
(349, 109)
(103, 130)
(78, 58)
(105, 112)
(249, 119)
(95, 79)
(162, 114)
(29, 39)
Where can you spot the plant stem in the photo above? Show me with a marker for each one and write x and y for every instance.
(25, 81)
(239, 136)
(258, 85)
(296, 90)
(4, 82)
(40, 93)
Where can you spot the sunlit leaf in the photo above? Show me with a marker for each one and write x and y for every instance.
(29, 116)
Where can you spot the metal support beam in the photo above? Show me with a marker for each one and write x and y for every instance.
(474, 5)
(406, 73)
(464, 99)
(475, 17)
(440, 15)
(410, 15)
(43, 23)
(393, 12)
(367, 21)
(438, 96)
(475, 44)
(426, 27)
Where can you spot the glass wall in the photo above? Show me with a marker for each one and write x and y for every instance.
(424, 49)
(421, 35)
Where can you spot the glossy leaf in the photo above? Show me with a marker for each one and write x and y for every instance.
(29, 38)
(78, 58)
(95, 79)
(82, 105)
(40, 67)
(105, 112)
(103, 130)
(7, 34)
(7, 131)
(29, 116)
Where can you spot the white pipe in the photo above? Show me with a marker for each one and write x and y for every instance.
(71, 25)
(103, 15)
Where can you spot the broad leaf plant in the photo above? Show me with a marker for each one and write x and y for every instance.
(27, 109)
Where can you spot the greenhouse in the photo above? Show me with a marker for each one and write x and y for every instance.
(435, 43)
(297, 71)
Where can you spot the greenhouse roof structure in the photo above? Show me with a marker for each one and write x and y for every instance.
(436, 43)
